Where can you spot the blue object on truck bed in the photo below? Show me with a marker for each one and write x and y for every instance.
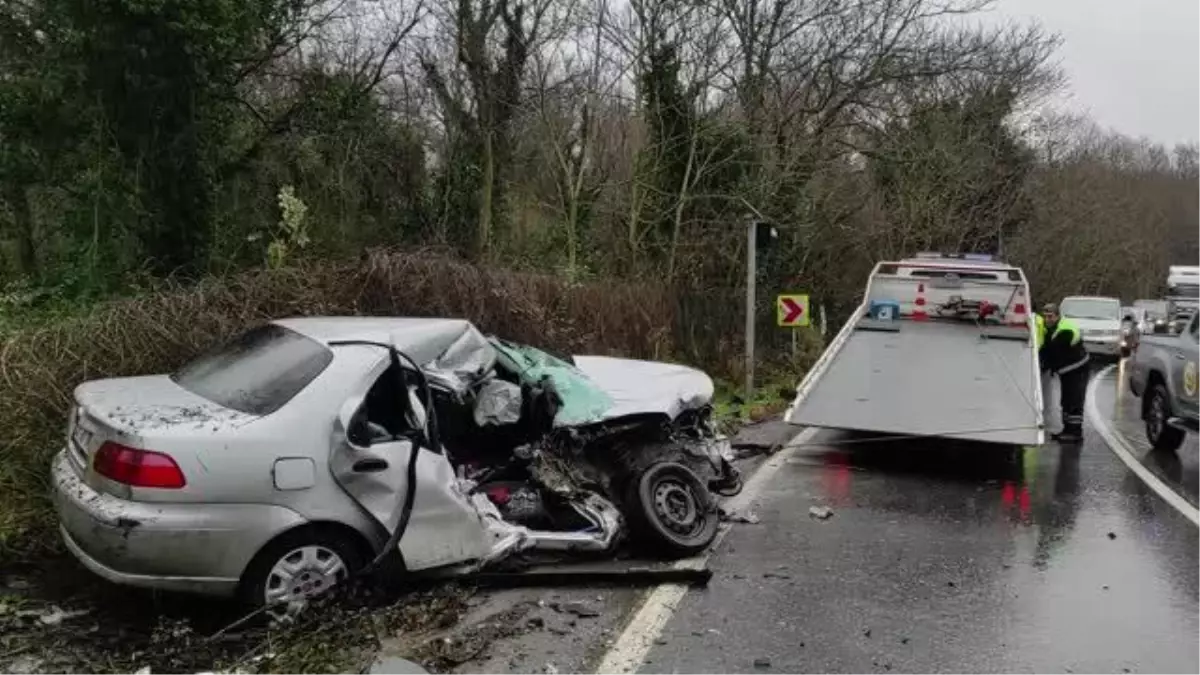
(884, 310)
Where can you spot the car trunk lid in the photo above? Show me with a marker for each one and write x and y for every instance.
(136, 412)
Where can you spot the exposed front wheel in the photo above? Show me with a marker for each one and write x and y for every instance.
(1161, 435)
(670, 511)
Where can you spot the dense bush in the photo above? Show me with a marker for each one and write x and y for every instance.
(157, 331)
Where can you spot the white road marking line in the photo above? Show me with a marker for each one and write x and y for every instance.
(629, 650)
(1126, 454)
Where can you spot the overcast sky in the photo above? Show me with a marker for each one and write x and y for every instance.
(1134, 65)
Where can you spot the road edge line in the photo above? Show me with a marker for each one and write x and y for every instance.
(628, 652)
(1124, 452)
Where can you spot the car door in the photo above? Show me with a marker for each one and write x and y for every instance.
(1184, 369)
(372, 448)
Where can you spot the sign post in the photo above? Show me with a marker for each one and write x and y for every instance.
(758, 233)
(751, 277)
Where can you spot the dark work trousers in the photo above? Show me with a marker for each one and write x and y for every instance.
(1073, 389)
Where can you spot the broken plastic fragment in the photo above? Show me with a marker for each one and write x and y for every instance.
(820, 512)
(747, 518)
(56, 616)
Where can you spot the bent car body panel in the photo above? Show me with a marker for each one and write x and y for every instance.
(452, 352)
(647, 387)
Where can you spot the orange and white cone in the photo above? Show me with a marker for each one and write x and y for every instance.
(919, 313)
(1020, 312)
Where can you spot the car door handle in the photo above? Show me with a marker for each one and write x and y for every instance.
(370, 465)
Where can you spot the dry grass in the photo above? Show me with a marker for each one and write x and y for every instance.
(156, 332)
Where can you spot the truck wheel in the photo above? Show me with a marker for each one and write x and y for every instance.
(1161, 435)
(670, 512)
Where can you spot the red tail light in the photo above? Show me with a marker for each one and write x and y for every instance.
(138, 468)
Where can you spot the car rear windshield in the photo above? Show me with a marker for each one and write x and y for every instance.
(1091, 308)
(258, 372)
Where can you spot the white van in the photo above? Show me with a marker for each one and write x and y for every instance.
(1099, 321)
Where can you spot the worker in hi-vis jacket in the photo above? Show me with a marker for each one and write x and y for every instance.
(1061, 352)
(1039, 338)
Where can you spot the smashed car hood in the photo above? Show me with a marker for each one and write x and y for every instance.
(646, 387)
(600, 388)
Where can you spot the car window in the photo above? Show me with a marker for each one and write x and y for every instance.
(257, 372)
(1091, 308)
(385, 404)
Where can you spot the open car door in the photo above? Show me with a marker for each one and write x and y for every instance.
(376, 436)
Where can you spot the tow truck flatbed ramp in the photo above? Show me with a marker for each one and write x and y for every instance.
(946, 384)
(938, 348)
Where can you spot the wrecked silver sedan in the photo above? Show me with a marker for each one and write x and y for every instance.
(308, 449)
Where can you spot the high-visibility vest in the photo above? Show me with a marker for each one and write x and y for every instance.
(1064, 324)
(1067, 325)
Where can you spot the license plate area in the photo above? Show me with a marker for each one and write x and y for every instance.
(81, 445)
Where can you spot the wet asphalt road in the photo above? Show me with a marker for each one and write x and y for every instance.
(1180, 470)
(953, 558)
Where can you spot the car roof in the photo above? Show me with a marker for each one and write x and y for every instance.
(1107, 298)
(326, 329)
(451, 351)
(427, 338)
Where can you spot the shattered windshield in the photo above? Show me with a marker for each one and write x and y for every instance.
(583, 401)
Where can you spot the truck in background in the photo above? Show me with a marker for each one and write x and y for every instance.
(1163, 374)
(941, 346)
(1183, 281)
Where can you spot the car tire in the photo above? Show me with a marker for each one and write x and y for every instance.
(1161, 435)
(315, 558)
(670, 512)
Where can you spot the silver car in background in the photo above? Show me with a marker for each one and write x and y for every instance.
(1099, 319)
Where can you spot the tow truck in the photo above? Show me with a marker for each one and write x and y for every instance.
(942, 345)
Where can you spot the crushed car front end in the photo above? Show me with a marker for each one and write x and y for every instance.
(639, 433)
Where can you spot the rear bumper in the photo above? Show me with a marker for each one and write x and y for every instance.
(217, 586)
(199, 548)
